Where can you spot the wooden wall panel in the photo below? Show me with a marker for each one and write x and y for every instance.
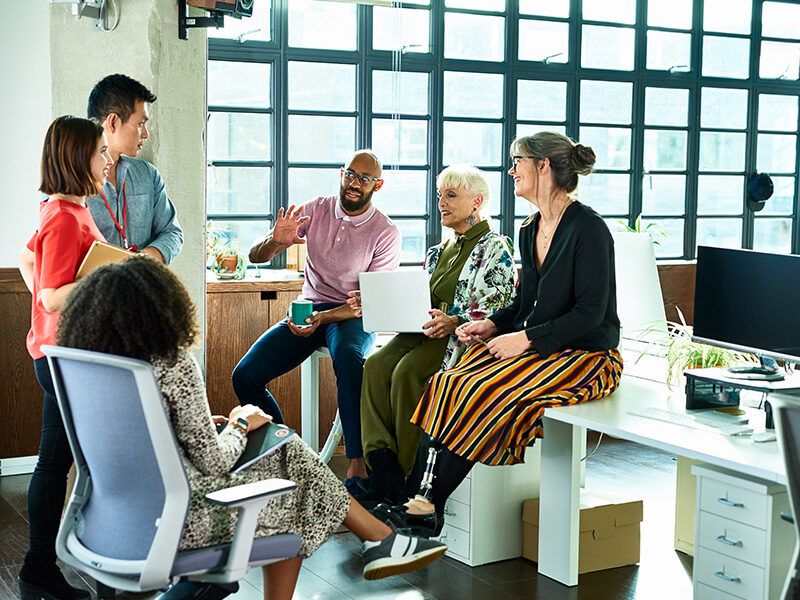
(677, 287)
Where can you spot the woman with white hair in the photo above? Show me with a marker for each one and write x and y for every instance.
(472, 276)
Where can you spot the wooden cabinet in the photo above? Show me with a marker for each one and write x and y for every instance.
(237, 313)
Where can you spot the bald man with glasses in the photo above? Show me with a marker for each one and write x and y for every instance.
(344, 236)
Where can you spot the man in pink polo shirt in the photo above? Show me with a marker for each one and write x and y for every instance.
(345, 236)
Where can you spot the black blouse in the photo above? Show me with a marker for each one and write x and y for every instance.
(572, 302)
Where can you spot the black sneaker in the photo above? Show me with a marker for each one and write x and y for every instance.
(397, 554)
(427, 525)
(53, 588)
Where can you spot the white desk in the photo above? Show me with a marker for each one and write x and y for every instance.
(564, 431)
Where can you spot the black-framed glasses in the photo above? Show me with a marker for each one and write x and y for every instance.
(515, 160)
(362, 179)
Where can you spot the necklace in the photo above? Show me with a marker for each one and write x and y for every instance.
(547, 237)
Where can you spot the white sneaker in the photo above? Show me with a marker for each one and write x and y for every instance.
(399, 554)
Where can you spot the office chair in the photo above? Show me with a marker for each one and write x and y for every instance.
(125, 516)
(786, 410)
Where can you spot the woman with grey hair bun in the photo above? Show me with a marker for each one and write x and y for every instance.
(555, 344)
(472, 275)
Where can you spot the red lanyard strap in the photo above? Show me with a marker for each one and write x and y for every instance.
(122, 229)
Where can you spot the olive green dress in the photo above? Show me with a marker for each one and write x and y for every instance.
(396, 375)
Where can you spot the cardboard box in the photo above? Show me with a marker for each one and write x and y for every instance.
(609, 531)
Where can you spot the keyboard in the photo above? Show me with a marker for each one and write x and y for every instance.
(687, 420)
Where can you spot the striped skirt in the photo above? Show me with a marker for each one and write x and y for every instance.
(489, 410)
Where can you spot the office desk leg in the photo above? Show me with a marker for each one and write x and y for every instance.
(559, 498)
(309, 401)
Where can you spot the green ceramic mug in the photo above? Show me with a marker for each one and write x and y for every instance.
(300, 311)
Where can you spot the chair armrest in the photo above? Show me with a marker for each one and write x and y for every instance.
(249, 492)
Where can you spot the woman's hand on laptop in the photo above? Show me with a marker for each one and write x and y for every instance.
(483, 329)
(355, 301)
(440, 326)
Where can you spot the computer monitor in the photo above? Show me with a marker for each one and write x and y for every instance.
(748, 301)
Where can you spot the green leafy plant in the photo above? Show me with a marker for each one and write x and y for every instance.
(654, 229)
(226, 260)
(214, 236)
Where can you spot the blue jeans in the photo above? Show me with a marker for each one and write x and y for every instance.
(278, 351)
(49, 481)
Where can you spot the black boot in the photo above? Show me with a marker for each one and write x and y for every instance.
(196, 590)
(386, 481)
(421, 525)
(47, 584)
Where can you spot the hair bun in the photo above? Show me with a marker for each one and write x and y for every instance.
(583, 158)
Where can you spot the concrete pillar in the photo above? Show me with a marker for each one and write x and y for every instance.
(145, 46)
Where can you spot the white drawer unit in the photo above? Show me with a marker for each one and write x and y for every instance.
(742, 548)
(483, 517)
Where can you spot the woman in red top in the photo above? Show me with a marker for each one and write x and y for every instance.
(75, 164)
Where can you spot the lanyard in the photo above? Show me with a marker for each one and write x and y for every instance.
(122, 229)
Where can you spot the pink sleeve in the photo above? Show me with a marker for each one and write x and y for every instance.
(387, 250)
(31, 245)
(308, 211)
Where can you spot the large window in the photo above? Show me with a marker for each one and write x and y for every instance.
(682, 101)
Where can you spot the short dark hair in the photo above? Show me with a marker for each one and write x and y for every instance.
(136, 308)
(117, 94)
(69, 145)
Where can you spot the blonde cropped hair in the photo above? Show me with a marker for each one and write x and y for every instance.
(465, 177)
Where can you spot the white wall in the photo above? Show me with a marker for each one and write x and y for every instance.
(26, 113)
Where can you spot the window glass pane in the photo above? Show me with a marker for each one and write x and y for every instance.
(473, 94)
(723, 108)
(666, 106)
(400, 29)
(493, 179)
(676, 14)
(672, 246)
(775, 153)
(664, 149)
(726, 57)
(542, 100)
(476, 37)
(781, 20)
(307, 184)
(238, 84)
(663, 194)
(726, 233)
(414, 245)
(720, 195)
(531, 128)
(669, 51)
(473, 143)
(496, 5)
(403, 93)
(240, 233)
(619, 11)
(403, 192)
(543, 40)
(238, 136)
(321, 138)
(322, 86)
(777, 112)
(727, 16)
(400, 142)
(611, 146)
(553, 8)
(607, 47)
(779, 60)
(721, 151)
(604, 192)
(772, 235)
(312, 21)
(782, 199)
(239, 190)
(606, 102)
(517, 226)
(254, 28)
(522, 208)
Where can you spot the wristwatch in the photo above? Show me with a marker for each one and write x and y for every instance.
(241, 423)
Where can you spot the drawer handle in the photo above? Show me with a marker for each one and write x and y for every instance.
(727, 542)
(727, 502)
(722, 575)
(449, 513)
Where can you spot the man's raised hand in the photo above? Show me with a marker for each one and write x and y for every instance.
(285, 230)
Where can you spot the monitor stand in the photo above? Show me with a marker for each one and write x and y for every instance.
(767, 371)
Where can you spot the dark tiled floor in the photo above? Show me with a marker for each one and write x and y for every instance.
(334, 572)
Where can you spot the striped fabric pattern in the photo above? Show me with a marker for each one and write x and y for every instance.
(489, 410)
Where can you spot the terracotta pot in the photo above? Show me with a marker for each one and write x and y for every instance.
(228, 262)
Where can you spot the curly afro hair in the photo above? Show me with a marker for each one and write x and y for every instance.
(136, 308)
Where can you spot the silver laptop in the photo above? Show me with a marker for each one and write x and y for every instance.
(395, 300)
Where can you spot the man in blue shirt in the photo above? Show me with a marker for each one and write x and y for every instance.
(132, 209)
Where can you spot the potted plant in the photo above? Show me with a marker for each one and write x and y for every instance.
(226, 262)
(214, 235)
(654, 229)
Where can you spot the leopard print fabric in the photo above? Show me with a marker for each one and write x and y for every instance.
(313, 510)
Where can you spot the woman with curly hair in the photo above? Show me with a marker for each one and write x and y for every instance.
(75, 163)
(139, 308)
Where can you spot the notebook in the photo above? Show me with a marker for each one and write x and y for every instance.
(261, 442)
(395, 300)
(99, 254)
